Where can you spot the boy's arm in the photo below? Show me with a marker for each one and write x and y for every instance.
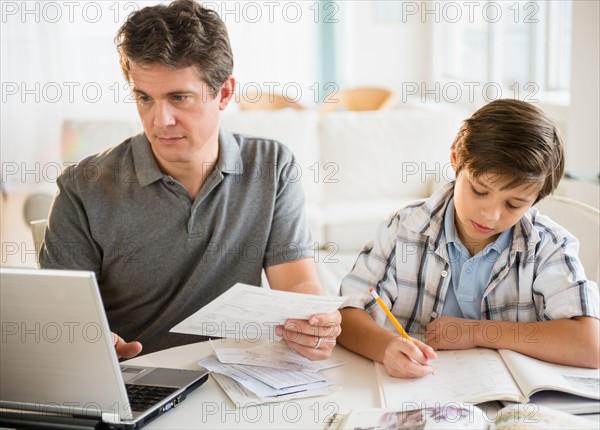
(400, 357)
(573, 342)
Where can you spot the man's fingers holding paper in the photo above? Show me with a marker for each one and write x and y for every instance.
(314, 338)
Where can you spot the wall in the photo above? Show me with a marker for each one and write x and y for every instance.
(66, 47)
(59, 62)
(583, 155)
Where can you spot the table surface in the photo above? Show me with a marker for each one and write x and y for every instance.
(210, 407)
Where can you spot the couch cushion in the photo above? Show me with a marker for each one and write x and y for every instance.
(296, 129)
(349, 225)
(386, 154)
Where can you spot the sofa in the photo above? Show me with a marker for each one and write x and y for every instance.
(355, 167)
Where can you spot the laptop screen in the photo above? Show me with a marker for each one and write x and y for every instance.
(57, 353)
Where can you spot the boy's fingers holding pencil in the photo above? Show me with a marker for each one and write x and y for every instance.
(426, 350)
(404, 359)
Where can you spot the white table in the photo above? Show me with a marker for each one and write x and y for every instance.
(209, 406)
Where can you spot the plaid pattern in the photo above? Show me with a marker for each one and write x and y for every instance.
(539, 277)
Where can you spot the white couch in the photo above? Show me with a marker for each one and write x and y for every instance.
(356, 167)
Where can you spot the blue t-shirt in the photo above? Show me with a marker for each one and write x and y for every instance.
(469, 276)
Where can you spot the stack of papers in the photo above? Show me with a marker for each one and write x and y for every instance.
(268, 372)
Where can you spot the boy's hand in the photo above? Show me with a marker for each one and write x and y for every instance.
(452, 333)
(314, 338)
(405, 359)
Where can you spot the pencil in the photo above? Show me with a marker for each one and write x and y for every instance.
(389, 315)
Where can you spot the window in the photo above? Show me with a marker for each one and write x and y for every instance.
(519, 47)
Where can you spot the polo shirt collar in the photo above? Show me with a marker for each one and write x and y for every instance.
(146, 167)
(449, 225)
(230, 156)
(147, 170)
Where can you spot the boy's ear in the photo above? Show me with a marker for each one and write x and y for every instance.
(453, 159)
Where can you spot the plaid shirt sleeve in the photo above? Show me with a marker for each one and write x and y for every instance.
(559, 276)
(374, 268)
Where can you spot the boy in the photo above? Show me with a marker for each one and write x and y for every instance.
(475, 265)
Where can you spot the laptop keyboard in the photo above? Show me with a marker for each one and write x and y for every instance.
(143, 397)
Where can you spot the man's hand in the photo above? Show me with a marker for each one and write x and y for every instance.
(452, 333)
(313, 339)
(405, 359)
(125, 349)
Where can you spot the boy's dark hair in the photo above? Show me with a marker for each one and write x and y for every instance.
(514, 139)
(179, 35)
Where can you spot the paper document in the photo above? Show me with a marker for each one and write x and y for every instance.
(272, 355)
(241, 397)
(251, 313)
(242, 375)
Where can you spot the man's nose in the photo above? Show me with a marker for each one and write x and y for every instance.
(163, 116)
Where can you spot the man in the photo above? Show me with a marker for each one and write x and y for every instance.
(173, 217)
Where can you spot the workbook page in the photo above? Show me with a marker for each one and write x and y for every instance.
(534, 375)
(470, 376)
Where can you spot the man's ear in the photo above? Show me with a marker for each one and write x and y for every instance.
(226, 93)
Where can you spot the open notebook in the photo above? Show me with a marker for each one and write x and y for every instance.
(480, 375)
(58, 365)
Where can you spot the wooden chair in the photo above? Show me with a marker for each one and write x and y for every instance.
(359, 99)
(267, 101)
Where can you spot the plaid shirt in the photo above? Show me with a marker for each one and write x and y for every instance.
(539, 277)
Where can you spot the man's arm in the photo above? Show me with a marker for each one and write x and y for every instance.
(573, 342)
(316, 337)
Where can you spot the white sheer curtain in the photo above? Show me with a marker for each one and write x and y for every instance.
(31, 122)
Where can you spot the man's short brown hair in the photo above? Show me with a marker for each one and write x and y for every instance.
(513, 139)
(179, 35)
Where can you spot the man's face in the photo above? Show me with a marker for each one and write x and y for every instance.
(179, 114)
(483, 209)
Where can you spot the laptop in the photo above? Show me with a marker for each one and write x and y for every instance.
(58, 364)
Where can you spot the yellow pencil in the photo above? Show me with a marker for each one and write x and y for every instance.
(389, 314)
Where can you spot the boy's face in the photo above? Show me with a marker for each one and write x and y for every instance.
(483, 209)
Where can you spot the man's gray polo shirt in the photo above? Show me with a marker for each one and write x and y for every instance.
(159, 255)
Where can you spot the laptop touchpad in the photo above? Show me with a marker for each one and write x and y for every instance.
(168, 377)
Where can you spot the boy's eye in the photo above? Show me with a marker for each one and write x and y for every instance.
(179, 98)
(477, 193)
(508, 205)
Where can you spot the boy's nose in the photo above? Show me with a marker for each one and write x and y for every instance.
(491, 213)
